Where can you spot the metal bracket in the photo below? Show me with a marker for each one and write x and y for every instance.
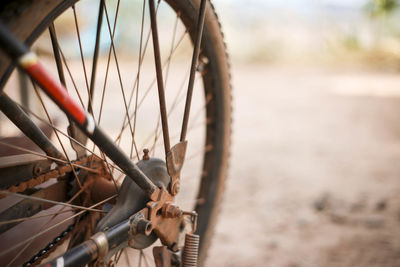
(175, 159)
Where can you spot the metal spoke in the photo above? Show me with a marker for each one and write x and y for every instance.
(137, 77)
(141, 57)
(144, 257)
(49, 201)
(90, 106)
(140, 258)
(67, 136)
(171, 49)
(56, 133)
(103, 92)
(177, 134)
(50, 158)
(192, 125)
(119, 75)
(54, 226)
(167, 73)
(201, 109)
(96, 48)
(57, 55)
(147, 91)
(32, 217)
(41, 230)
(117, 255)
(160, 80)
(110, 171)
(127, 257)
(196, 51)
(58, 59)
(108, 63)
(200, 152)
(175, 102)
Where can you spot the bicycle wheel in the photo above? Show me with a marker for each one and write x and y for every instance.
(113, 77)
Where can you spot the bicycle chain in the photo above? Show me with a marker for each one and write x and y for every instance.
(22, 186)
(57, 241)
(43, 253)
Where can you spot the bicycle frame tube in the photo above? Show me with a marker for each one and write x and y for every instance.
(29, 63)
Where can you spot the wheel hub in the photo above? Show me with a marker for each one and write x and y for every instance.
(132, 199)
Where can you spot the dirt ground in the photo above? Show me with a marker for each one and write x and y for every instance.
(314, 177)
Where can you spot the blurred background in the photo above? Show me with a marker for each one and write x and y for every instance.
(315, 164)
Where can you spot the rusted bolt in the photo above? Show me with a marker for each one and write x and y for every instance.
(175, 188)
(146, 154)
(144, 227)
(37, 170)
(171, 211)
(139, 225)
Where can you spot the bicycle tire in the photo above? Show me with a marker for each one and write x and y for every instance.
(216, 81)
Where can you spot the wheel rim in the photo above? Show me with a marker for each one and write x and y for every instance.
(133, 149)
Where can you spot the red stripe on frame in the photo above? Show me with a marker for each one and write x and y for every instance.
(56, 91)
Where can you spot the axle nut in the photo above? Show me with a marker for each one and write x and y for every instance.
(139, 225)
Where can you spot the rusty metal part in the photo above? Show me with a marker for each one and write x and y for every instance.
(101, 189)
(146, 154)
(193, 215)
(28, 208)
(79, 136)
(167, 229)
(110, 239)
(132, 199)
(170, 210)
(175, 159)
(161, 216)
(140, 225)
(22, 186)
(190, 250)
(166, 219)
(82, 228)
(21, 168)
(101, 184)
(101, 241)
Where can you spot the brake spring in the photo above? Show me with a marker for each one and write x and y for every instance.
(190, 250)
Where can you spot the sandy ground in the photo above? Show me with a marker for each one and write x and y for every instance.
(314, 177)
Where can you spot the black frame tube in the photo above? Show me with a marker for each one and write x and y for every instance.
(16, 49)
(88, 251)
(15, 114)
